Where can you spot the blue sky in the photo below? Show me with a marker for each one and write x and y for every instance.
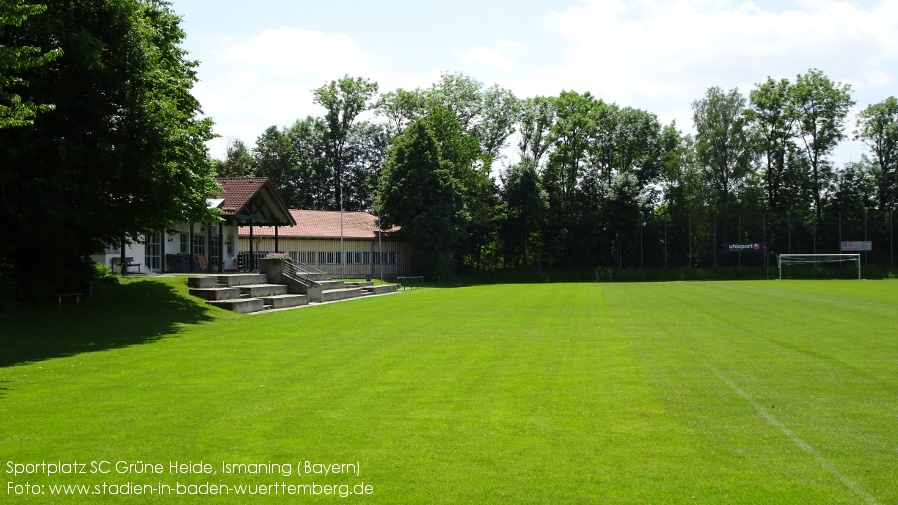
(260, 61)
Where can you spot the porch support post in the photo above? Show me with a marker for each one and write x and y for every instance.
(276, 227)
(122, 256)
(221, 246)
(252, 257)
(207, 248)
(190, 257)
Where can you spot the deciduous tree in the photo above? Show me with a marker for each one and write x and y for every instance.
(123, 152)
(878, 128)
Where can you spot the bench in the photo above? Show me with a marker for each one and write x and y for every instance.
(129, 263)
(60, 296)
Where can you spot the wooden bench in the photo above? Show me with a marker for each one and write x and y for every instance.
(129, 263)
(60, 296)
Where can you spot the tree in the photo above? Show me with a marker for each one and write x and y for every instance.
(124, 150)
(722, 143)
(820, 110)
(499, 113)
(525, 205)
(419, 194)
(273, 158)
(854, 188)
(772, 116)
(343, 101)
(536, 118)
(400, 107)
(878, 128)
(311, 174)
(365, 154)
(16, 59)
(238, 160)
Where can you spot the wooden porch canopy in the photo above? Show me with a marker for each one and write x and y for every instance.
(252, 201)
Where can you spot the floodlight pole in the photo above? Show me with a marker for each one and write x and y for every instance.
(342, 249)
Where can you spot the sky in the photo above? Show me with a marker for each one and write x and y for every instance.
(259, 61)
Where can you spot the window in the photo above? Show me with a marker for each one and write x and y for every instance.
(329, 258)
(199, 244)
(354, 258)
(214, 260)
(389, 258)
(306, 257)
(230, 245)
(112, 249)
(183, 248)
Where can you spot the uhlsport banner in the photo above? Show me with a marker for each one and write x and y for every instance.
(753, 247)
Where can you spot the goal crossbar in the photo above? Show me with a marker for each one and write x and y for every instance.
(817, 259)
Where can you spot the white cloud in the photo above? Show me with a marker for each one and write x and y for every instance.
(493, 57)
(662, 55)
(290, 52)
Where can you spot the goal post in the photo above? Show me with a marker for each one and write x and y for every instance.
(817, 259)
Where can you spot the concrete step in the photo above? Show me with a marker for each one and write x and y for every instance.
(284, 301)
(243, 305)
(242, 279)
(332, 295)
(325, 285)
(260, 290)
(359, 284)
(202, 281)
(215, 293)
(381, 289)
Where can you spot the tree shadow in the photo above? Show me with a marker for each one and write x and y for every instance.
(119, 316)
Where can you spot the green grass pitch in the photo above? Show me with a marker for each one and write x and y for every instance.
(683, 392)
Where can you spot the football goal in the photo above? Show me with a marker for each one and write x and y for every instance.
(817, 259)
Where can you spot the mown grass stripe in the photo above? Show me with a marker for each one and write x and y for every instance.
(825, 463)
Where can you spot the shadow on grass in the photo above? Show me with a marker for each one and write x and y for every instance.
(120, 316)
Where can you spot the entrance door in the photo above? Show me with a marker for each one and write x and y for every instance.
(153, 251)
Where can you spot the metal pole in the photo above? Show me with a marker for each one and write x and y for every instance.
(641, 231)
(342, 249)
(665, 240)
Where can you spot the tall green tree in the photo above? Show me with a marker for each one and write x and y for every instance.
(273, 158)
(15, 59)
(365, 154)
(400, 108)
(123, 152)
(419, 193)
(311, 176)
(821, 107)
(723, 143)
(525, 206)
(878, 128)
(343, 100)
(238, 160)
(773, 118)
(535, 121)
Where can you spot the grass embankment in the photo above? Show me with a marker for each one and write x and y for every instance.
(730, 392)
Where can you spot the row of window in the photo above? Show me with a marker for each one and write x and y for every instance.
(199, 244)
(335, 258)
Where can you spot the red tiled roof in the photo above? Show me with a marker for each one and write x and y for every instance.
(237, 191)
(323, 224)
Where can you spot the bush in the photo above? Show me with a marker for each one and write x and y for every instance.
(105, 276)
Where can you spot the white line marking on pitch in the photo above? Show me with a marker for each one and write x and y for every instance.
(854, 486)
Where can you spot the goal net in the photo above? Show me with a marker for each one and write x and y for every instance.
(818, 259)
